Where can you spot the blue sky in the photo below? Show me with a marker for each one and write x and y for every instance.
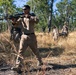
(20, 3)
(54, 7)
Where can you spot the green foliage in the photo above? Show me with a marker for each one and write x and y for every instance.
(3, 26)
(67, 11)
(7, 7)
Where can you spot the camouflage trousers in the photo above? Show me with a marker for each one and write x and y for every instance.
(29, 40)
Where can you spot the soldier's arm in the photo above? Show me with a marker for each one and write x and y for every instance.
(18, 21)
(35, 19)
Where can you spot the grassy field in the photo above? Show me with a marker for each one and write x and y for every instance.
(62, 51)
(46, 44)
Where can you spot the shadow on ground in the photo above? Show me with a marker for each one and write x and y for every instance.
(44, 52)
(57, 66)
(54, 67)
(48, 67)
(56, 51)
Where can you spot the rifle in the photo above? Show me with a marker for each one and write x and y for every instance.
(16, 16)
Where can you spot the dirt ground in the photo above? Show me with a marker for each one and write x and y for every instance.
(56, 62)
(55, 66)
(52, 66)
(61, 71)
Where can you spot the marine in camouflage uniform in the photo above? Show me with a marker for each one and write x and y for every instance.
(65, 29)
(55, 33)
(28, 37)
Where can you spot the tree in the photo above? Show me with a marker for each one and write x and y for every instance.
(67, 11)
(50, 16)
(8, 7)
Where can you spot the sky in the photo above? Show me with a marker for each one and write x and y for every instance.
(20, 3)
(54, 5)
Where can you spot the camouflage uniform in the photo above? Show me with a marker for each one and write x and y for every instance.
(28, 37)
(55, 33)
(65, 29)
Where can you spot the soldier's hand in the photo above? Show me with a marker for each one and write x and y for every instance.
(33, 18)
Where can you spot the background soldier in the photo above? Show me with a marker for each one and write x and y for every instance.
(55, 33)
(65, 29)
(15, 29)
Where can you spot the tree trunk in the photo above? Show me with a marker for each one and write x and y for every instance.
(50, 18)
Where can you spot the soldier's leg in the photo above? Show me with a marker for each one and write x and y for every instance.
(22, 65)
(22, 48)
(17, 66)
(33, 46)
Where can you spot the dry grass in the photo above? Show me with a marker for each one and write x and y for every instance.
(65, 48)
(53, 51)
(7, 48)
(46, 40)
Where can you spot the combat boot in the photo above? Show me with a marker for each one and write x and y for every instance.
(40, 63)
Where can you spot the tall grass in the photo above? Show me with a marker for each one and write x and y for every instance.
(44, 40)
